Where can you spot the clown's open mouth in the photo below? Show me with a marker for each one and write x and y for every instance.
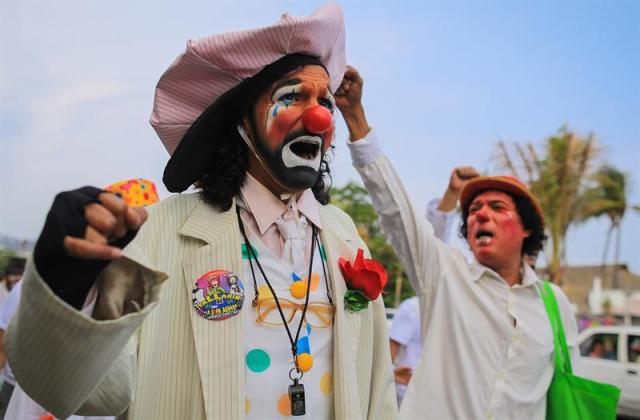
(484, 237)
(303, 151)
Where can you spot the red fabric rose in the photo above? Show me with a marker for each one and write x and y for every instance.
(365, 274)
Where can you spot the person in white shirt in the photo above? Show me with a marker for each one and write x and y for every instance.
(404, 335)
(487, 340)
(405, 342)
(12, 274)
(6, 312)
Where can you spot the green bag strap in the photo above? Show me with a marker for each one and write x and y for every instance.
(561, 353)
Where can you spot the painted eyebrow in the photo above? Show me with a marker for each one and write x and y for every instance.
(289, 82)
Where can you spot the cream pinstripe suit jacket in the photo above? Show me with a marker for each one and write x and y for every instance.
(167, 362)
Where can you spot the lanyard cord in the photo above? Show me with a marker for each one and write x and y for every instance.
(324, 271)
(252, 255)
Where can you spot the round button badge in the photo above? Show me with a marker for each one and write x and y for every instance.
(218, 295)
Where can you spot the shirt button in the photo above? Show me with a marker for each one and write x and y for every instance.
(501, 376)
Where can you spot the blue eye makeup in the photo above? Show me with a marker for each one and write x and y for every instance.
(286, 95)
(288, 98)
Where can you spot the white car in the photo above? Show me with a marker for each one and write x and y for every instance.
(612, 355)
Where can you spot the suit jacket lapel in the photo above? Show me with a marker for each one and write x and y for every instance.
(338, 243)
(219, 344)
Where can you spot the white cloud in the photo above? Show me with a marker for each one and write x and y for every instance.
(55, 111)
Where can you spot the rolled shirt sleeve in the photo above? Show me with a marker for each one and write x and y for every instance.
(423, 255)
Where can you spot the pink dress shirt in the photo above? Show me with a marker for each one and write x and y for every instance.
(260, 210)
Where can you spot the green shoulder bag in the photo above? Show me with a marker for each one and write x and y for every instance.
(571, 397)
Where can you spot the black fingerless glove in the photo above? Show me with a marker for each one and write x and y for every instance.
(70, 278)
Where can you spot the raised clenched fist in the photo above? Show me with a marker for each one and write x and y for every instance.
(85, 230)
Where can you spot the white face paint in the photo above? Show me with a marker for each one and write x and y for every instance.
(291, 153)
(281, 99)
(285, 96)
(291, 160)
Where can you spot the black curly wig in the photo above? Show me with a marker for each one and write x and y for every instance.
(212, 153)
(531, 221)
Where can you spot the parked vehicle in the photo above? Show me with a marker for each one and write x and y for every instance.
(611, 354)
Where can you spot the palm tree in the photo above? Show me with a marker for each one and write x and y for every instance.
(608, 197)
(558, 179)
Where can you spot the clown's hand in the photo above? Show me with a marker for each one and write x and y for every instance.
(84, 231)
(349, 102)
(349, 94)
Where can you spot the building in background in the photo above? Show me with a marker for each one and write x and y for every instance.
(597, 300)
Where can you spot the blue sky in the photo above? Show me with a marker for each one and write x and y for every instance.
(443, 82)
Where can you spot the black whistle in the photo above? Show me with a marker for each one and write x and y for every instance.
(296, 396)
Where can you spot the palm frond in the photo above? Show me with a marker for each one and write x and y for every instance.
(504, 159)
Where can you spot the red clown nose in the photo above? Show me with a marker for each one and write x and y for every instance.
(317, 119)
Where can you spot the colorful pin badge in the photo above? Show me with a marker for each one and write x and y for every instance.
(218, 295)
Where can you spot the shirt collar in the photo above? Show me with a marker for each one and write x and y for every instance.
(477, 270)
(530, 277)
(266, 207)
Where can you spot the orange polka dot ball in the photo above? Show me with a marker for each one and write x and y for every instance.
(135, 192)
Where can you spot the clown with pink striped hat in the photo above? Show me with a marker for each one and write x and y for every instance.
(227, 301)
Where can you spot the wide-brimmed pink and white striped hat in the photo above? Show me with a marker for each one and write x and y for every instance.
(213, 65)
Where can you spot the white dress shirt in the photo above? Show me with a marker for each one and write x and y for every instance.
(487, 347)
(267, 382)
(405, 329)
